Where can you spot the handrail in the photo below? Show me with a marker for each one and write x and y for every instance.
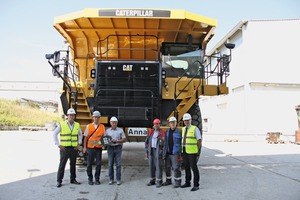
(65, 77)
(193, 77)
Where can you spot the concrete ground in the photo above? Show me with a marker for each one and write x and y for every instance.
(229, 170)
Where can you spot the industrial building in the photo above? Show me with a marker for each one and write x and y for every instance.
(264, 82)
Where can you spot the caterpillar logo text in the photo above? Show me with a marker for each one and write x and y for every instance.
(127, 68)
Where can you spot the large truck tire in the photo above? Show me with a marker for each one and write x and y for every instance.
(196, 116)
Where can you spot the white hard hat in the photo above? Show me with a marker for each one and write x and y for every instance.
(187, 116)
(96, 114)
(172, 119)
(71, 111)
(113, 119)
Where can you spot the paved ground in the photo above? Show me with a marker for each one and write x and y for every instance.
(241, 170)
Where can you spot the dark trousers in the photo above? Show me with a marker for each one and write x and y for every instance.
(68, 153)
(92, 154)
(190, 162)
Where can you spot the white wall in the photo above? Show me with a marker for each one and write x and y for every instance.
(266, 52)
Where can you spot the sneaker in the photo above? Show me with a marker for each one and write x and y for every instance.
(110, 182)
(118, 182)
(91, 182)
(194, 189)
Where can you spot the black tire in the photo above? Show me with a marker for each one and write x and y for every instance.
(196, 116)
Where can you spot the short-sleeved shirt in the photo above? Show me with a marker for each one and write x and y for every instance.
(116, 134)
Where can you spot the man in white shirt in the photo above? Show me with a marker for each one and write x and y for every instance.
(68, 144)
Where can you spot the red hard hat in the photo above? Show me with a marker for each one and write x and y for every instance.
(156, 121)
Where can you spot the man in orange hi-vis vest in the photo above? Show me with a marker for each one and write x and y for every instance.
(93, 133)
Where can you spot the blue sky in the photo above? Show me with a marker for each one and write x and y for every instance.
(27, 32)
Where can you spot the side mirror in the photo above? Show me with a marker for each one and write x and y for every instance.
(56, 56)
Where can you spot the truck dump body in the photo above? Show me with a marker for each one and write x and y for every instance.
(83, 30)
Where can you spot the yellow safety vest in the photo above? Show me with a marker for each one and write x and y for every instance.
(191, 143)
(68, 137)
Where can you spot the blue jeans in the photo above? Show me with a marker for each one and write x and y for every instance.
(114, 156)
(92, 154)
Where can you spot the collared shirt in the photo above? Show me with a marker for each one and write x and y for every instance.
(58, 129)
(86, 132)
(116, 134)
(154, 139)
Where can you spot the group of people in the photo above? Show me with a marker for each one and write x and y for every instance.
(70, 138)
(170, 148)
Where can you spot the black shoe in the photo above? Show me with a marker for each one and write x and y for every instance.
(168, 182)
(186, 185)
(152, 182)
(58, 184)
(194, 189)
(158, 184)
(75, 182)
(97, 182)
(91, 182)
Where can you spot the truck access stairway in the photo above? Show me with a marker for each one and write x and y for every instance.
(83, 114)
(186, 103)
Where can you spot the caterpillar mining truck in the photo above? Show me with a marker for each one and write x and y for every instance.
(137, 65)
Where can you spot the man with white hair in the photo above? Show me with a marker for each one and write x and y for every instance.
(191, 148)
(68, 143)
(172, 151)
(114, 150)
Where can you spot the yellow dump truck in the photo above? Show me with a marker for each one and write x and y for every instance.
(137, 65)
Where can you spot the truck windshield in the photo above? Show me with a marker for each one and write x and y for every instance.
(183, 62)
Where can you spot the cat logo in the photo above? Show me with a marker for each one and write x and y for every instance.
(127, 68)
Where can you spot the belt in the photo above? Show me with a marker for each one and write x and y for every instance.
(115, 146)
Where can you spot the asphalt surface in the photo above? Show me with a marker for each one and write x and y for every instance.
(229, 170)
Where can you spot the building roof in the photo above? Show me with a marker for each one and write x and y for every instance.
(238, 27)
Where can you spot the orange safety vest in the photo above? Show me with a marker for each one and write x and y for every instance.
(94, 140)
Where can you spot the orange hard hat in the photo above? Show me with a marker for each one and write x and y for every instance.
(156, 121)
